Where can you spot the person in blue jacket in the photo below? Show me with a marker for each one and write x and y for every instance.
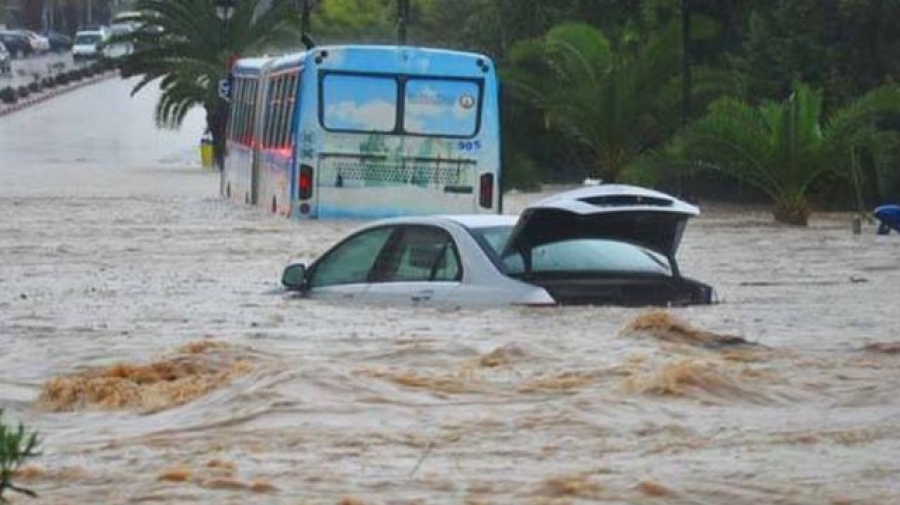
(888, 218)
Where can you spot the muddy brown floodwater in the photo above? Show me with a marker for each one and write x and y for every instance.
(141, 331)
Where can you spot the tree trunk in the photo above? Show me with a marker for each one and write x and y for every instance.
(216, 122)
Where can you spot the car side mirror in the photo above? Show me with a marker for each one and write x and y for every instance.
(294, 277)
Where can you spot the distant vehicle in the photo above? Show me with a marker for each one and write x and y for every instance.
(95, 28)
(5, 57)
(88, 44)
(39, 43)
(365, 132)
(598, 245)
(16, 43)
(58, 41)
(126, 17)
(116, 47)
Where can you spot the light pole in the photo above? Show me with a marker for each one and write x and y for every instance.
(224, 11)
(402, 19)
(685, 61)
(305, 13)
(304, 18)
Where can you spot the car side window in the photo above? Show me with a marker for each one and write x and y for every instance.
(351, 261)
(422, 254)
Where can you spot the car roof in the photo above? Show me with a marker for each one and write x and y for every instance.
(482, 220)
(465, 220)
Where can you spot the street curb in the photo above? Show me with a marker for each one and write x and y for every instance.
(21, 104)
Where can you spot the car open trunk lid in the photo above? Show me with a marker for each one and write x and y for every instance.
(641, 216)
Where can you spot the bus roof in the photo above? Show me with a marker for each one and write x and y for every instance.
(373, 48)
(358, 54)
(249, 66)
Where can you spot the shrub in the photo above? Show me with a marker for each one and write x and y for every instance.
(8, 95)
(62, 79)
(34, 87)
(23, 92)
(48, 82)
(16, 446)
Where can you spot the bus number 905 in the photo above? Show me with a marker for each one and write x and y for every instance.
(469, 145)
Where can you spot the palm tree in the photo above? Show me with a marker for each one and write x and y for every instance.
(783, 148)
(614, 103)
(186, 47)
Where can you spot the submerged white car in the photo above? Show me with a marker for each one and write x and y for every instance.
(600, 245)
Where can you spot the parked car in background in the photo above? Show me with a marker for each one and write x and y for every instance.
(17, 43)
(600, 245)
(39, 43)
(5, 57)
(58, 42)
(88, 44)
(117, 47)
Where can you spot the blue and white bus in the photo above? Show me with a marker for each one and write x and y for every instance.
(364, 132)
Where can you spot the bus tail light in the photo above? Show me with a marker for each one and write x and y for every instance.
(486, 190)
(305, 182)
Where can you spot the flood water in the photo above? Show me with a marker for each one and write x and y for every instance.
(143, 334)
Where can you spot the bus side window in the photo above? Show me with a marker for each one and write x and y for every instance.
(270, 109)
(282, 110)
(295, 93)
(282, 104)
(251, 106)
(290, 98)
(241, 110)
(276, 109)
(233, 112)
(229, 132)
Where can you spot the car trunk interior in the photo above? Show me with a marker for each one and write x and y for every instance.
(623, 291)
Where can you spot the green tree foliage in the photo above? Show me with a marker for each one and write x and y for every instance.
(16, 447)
(185, 47)
(783, 147)
(562, 121)
(613, 103)
(355, 21)
(846, 46)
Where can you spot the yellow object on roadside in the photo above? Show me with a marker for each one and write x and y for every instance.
(206, 152)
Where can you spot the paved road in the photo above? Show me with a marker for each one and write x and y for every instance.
(99, 129)
(28, 70)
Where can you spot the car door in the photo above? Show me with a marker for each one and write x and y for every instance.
(420, 267)
(345, 271)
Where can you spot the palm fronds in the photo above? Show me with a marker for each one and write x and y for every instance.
(783, 148)
(186, 48)
(614, 103)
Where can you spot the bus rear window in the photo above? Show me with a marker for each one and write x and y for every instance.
(359, 103)
(441, 107)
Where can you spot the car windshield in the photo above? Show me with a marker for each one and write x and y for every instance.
(583, 255)
(87, 39)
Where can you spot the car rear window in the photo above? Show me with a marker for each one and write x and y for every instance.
(572, 256)
(594, 255)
